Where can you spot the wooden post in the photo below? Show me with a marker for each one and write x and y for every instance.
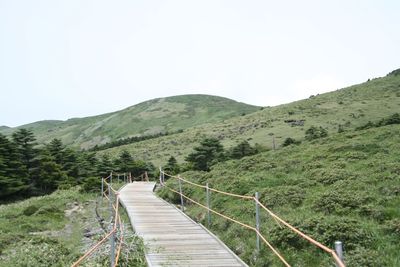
(208, 205)
(258, 222)
(180, 192)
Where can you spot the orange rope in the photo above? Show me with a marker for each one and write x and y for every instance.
(308, 238)
(90, 251)
(235, 221)
(121, 227)
(113, 230)
(274, 216)
(231, 194)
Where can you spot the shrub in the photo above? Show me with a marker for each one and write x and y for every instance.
(289, 141)
(30, 210)
(91, 184)
(393, 227)
(327, 230)
(341, 200)
(315, 133)
(363, 257)
(283, 195)
(330, 176)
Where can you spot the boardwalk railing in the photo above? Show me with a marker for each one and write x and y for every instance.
(116, 233)
(258, 205)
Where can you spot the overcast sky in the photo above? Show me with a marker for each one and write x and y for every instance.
(75, 58)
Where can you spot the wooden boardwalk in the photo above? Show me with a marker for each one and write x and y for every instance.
(172, 238)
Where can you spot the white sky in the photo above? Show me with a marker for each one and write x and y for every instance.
(75, 58)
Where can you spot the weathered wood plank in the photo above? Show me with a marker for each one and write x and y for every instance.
(172, 238)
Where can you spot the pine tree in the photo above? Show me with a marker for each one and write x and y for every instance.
(13, 179)
(105, 165)
(24, 141)
(49, 174)
(243, 149)
(56, 149)
(124, 163)
(172, 166)
(207, 154)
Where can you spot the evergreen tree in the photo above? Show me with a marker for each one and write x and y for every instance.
(70, 163)
(13, 178)
(207, 154)
(172, 166)
(242, 150)
(88, 165)
(124, 163)
(24, 142)
(49, 174)
(105, 165)
(56, 149)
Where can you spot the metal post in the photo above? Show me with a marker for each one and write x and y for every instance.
(180, 192)
(339, 249)
(111, 178)
(161, 182)
(258, 222)
(273, 143)
(112, 236)
(208, 205)
(102, 189)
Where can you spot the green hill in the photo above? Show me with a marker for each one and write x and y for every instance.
(160, 115)
(344, 187)
(346, 109)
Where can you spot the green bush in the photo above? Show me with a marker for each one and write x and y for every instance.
(91, 184)
(31, 209)
(393, 227)
(315, 132)
(341, 200)
(283, 195)
(325, 230)
(330, 176)
(363, 257)
(290, 141)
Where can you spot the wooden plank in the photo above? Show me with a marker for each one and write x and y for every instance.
(171, 237)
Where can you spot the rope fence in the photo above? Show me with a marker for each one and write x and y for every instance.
(108, 192)
(278, 220)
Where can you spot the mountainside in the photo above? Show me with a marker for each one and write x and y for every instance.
(343, 109)
(160, 115)
(343, 187)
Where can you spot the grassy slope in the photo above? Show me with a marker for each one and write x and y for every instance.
(48, 231)
(345, 187)
(350, 107)
(154, 116)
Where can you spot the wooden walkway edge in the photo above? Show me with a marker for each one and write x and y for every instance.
(171, 237)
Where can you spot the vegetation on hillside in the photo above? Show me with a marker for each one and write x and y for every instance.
(55, 230)
(29, 170)
(152, 117)
(341, 187)
(339, 111)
